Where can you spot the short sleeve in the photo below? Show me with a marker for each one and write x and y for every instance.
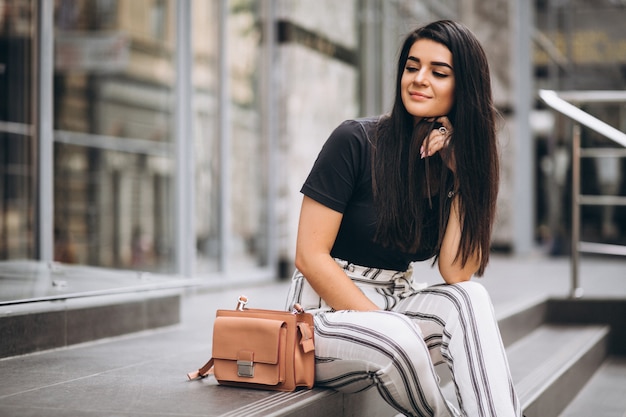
(338, 167)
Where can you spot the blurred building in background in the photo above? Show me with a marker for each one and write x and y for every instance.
(173, 136)
(578, 45)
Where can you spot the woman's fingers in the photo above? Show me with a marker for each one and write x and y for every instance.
(438, 138)
(445, 122)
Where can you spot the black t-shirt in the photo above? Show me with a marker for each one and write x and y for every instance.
(341, 180)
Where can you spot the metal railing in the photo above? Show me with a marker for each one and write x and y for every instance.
(562, 103)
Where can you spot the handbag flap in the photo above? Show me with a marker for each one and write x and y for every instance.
(234, 335)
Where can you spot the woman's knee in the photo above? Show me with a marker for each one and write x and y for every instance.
(472, 292)
(401, 348)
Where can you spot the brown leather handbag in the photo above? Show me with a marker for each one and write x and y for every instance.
(266, 349)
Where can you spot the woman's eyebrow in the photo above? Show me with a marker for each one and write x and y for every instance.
(434, 63)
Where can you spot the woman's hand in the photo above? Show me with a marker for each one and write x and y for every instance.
(439, 141)
(317, 231)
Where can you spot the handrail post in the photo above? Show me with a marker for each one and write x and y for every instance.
(575, 290)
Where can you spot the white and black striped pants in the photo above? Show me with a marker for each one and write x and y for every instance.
(395, 349)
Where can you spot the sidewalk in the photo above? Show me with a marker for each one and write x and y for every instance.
(144, 374)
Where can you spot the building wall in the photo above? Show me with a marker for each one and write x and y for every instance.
(317, 91)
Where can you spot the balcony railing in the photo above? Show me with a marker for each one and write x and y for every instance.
(562, 103)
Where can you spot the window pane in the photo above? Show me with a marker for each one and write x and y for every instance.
(114, 153)
(17, 169)
(206, 146)
(248, 150)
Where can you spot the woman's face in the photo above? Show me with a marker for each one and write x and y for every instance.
(427, 84)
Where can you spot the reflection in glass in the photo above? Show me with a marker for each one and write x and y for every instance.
(113, 93)
(207, 143)
(17, 145)
(247, 180)
(249, 153)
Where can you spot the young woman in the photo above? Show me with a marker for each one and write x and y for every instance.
(417, 184)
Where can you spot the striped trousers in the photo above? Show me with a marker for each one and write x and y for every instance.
(396, 348)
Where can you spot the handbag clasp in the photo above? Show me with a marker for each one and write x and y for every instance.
(245, 369)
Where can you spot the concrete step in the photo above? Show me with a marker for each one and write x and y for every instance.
(39, 326)
(552, 363)
(603, 395)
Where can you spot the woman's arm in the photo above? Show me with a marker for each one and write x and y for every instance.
(317, 231)
(451, 269)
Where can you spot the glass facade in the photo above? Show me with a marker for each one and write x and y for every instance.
(113, 120)
(231, 153)
(18, 148)
(206, 87)
(119, 189)
(248, 152)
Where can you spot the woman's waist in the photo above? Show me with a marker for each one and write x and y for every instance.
(396, 281)
(366, 273)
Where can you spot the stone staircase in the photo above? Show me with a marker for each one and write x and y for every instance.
(556, 348)
(127, 354)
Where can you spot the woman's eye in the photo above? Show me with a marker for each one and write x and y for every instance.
(440, 74)
(412, 69)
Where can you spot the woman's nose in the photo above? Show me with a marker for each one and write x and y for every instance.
(420, 77)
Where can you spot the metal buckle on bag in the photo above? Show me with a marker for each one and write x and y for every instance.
(241, 303)
(297, 309)
(245, 369)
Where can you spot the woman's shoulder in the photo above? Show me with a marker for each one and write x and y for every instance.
(362, 123)
(349, 145)
(359, 128)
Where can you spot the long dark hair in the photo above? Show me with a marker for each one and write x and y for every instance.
(403, 182)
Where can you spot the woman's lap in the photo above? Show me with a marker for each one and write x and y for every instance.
(396, 348)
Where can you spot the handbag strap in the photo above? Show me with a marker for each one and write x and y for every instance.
(207, 369)
(203, 372)
(307, 337)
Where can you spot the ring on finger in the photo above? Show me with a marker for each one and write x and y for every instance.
(443, 130)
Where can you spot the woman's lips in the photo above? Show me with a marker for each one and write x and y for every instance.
(418, 96)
